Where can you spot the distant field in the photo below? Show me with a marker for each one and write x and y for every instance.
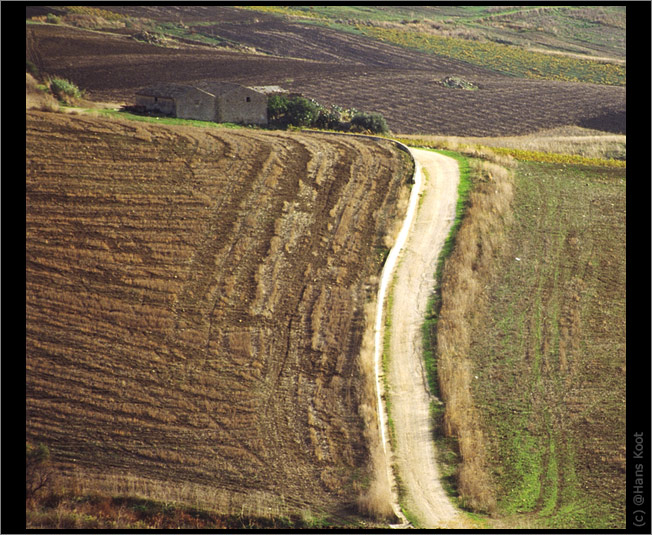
(552, 43)
(506, 59)
(195, 308)
(334, 67)
(549, 354)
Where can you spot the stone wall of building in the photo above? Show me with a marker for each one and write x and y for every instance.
(242, 106)
(164, 105)
(196, 104)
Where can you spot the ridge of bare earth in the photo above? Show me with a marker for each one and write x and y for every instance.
(409, 394)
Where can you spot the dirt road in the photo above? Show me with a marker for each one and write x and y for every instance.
(409, 393)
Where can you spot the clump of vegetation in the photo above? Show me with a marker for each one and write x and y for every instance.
(64, 90)
(38, 471)
(373, 122)
(302, 112)
(455, 82)
(46, 92)
(37, 95)
(285, 111)
(151, 38)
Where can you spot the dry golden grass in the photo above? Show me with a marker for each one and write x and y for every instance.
(37, 99)
(572, 140)
(376, 500)
(464, 276)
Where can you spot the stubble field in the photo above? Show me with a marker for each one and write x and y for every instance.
(195, 308)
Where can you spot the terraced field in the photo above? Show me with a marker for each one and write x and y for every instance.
(195, 308)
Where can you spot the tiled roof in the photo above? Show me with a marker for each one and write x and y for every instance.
(165, 90)
(268, 89)
(217, 88)
(177, 90)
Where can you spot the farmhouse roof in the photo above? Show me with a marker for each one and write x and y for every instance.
(218, 88)
(177, 90)
(165, 90)
(268, 89)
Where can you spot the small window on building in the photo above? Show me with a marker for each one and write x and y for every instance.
(248, 99)
(155, 99)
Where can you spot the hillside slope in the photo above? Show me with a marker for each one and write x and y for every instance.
(333, 67)
(549, 353)
(195, 308)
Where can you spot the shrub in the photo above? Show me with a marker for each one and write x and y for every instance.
(277, 107)
(64, 90)
(38, 473)
(373, 122)
(287, 111)
(302, 112)
(330, 118)
(51, 18)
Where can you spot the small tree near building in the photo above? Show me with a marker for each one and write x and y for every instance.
(373, 122)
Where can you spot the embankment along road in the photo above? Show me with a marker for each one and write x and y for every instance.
(409, 394)
(427, 223)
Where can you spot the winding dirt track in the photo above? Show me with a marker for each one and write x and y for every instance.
(409, 393)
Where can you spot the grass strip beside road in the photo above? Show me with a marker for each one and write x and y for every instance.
(434, 302)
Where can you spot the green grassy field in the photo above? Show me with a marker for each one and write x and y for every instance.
(545, 42)
(506, 59)
(549, 354)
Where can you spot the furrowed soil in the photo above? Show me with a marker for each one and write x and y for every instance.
(549, 354)
(195, 309)
(331, 66)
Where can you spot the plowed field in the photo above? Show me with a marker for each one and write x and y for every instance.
(195, 307)
(331, 66)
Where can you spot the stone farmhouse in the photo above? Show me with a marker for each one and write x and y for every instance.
(222, 102)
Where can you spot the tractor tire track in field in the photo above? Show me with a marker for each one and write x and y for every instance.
(408, 393)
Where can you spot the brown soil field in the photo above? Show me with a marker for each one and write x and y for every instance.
(330, 66)
(195, 307)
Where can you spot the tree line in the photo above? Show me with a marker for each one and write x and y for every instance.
(284, 111)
